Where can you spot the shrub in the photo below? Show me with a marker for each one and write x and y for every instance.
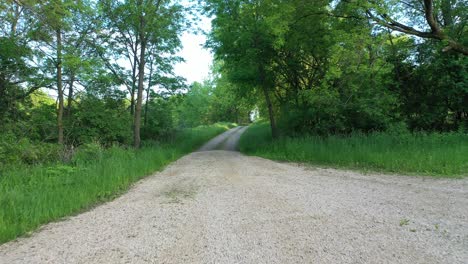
(87, 153)
(16, 151)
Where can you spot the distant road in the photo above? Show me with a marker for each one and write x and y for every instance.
(223, 207)
(227, 141)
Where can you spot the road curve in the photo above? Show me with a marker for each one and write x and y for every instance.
(224, 207)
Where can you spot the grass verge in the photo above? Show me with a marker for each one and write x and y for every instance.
(440, 155)
(33, 196)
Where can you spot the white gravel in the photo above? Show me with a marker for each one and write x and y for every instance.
(223, 207)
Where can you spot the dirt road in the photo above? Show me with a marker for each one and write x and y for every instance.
(223, 207)
(226, 141)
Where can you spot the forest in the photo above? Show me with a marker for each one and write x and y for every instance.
(86, 86)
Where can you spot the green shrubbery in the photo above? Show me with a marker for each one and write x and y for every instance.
(159, 123)
(99, 120)
(88, 153)
(22, 151)
(397, 150)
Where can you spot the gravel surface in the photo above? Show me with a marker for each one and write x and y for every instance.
(224, 207)
(225, 141)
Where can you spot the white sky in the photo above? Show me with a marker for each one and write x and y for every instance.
(198, 60)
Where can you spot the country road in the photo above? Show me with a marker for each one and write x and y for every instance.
(219, 206)
(225, 141)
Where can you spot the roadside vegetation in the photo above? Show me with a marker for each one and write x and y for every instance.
(398, 151)
(34, 195)
(354, 84)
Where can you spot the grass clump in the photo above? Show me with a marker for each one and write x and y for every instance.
(35, 195)
(435, 154)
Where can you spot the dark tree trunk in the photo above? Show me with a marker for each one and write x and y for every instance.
(59, 87)
(148, 92)
(274, 128)
(134, 80)
(141, 76)
(264, 85)
(14, 23)
(70, 94)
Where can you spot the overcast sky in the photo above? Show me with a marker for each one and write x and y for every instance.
(197, 59)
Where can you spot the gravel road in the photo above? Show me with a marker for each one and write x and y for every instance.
(226, 141)
(223, 207)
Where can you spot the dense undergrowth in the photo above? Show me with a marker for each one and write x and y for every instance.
(34, 195)
(435, 154)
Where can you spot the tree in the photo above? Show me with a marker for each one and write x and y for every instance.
(19, 78)
(50, 26)
(140, 25)
(442, 20)
(245, 34)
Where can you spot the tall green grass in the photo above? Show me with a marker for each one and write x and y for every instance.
(441, 155)
(32, 196)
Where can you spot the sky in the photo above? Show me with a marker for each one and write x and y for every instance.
(198, 60)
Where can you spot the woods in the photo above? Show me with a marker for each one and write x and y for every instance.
(315, 67)
(325, 68)
(74, 50)
(102, 72)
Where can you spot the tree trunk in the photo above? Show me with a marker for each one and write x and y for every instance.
(132, 101)
(59, 87)
(148, 92)
(274, 128)
(70, 94)
(141, 76)
(14, 23)
(132, 92)
(264, 86)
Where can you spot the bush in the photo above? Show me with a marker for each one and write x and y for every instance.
(106, 121)
(15, 152)
(87, 153)
(159, 124)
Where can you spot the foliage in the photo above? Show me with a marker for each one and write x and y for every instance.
(142, 28)
(213, 101)
(21, 151)
(103, 120)
(159, 120)
(440, 20)
(195, 106)
(434, 94)
(329, 70)
(88, 153)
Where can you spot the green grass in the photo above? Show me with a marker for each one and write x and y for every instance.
(33, 196)
(434, 154)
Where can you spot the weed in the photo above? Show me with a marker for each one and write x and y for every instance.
(404, 222)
